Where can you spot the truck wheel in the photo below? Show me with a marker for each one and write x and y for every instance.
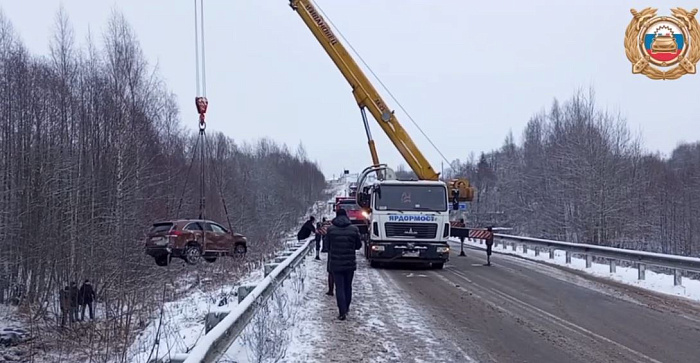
(438, 266)
(374, 264)
(162, 260)
(192, 254)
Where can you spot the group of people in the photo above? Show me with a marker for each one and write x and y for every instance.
(340, 239)
(74, 300)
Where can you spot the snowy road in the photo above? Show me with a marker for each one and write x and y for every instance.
(383, 325)
(514, 311)
(523, 311)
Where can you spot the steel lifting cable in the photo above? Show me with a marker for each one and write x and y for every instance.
(380, 81)
(201, 101)
(219, 173)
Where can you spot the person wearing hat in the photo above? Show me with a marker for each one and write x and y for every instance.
(306, 229)
(343, 240)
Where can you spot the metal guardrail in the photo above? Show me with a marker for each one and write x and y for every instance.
(214, 344)
(677, 263)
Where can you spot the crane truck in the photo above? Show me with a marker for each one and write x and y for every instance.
(408, 220)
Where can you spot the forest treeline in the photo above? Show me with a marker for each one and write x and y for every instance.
(92, 151)
(578, 174)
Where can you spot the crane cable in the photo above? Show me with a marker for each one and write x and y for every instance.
(201, 101)
(379, 80)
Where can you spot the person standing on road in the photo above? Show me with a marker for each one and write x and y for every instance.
(489, 246)
(343, 241)
(320, 231)
(324, 249)
(306, 229)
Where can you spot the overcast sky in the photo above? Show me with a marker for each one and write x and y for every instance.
(467, 71)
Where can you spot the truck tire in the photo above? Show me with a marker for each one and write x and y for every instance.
(374, 264)
(438, 266)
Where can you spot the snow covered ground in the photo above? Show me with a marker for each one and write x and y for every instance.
(182, 322)
(658, 282)
(382, 325)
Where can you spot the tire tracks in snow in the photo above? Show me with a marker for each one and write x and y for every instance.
(382, 326)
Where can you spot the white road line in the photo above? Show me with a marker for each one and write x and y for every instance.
(561, 322)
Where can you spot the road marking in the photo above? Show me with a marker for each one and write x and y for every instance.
(561, 322)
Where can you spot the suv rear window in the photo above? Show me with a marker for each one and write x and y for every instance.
(161, 227)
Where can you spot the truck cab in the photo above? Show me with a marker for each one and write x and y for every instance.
(409, 221)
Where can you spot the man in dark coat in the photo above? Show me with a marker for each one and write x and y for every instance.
(73, 293)
(306, 229)
(64, 300)
(87, 296)
(343, 241)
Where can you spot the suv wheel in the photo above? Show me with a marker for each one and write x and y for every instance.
(192, 254)
(239, 251)
(162, 260)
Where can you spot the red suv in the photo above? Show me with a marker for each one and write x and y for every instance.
(191, 240)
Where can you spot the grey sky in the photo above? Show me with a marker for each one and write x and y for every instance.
(467, 71)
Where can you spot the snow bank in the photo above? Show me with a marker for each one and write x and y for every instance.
(181, 325)
(182, 322)
(654, 281)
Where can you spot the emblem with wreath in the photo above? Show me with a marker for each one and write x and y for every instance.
(641, 61)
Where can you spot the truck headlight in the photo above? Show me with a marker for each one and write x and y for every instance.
(377, 248)
(443, 249)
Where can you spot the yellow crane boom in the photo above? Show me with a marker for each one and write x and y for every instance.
(368, 98)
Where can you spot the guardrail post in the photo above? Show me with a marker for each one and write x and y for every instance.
(613, 266)
(677, 277)
(589, 261)
(568, 257)
(537, 251)
(525, 249)
(269, 267)
(212, 319)
(641, 268)
(243, 291)
(551, 254)
(514, 246)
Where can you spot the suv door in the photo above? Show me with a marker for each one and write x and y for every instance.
(197, 232)
(217, 237)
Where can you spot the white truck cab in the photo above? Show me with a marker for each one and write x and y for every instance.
(409, 221)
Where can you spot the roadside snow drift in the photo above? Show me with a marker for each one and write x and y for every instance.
(658, 282)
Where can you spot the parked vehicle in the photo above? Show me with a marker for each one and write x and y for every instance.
(192, 240)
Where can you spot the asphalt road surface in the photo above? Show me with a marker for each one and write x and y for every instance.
(522, 311)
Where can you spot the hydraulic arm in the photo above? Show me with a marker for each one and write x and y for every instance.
(368, 98)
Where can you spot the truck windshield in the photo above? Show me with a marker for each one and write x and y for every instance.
(411, 198)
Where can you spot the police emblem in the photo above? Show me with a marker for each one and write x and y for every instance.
(663, 47)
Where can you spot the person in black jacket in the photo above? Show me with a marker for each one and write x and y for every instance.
(87, 296)
(306, 229)
(343, 241)
(73, 294)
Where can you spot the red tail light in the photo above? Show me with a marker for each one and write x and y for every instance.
(174, 233)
